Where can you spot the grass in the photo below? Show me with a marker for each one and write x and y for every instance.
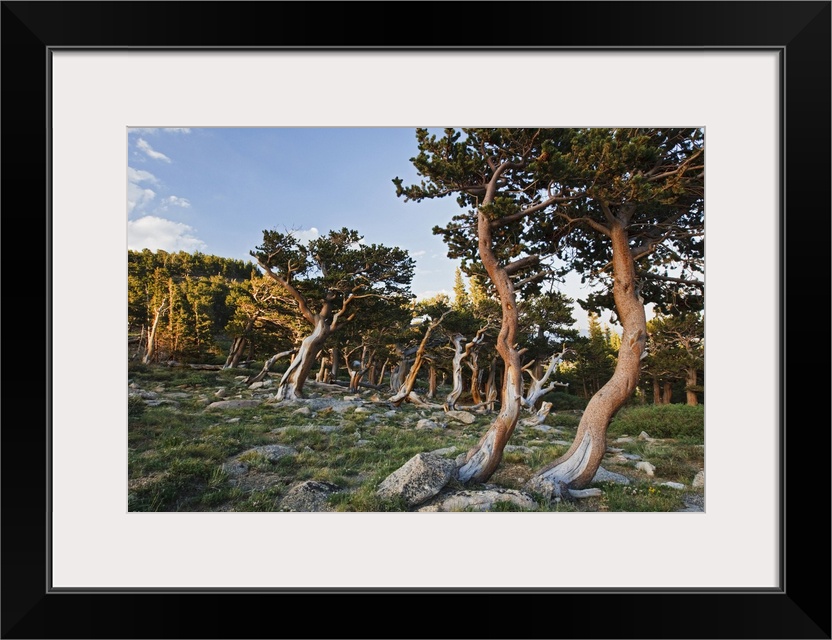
(177, 451)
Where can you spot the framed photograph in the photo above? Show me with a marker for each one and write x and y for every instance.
(80, 77)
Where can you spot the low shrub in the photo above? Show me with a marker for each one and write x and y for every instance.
(661, 421)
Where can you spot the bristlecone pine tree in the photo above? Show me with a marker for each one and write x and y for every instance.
(327, 279)
(621, 206)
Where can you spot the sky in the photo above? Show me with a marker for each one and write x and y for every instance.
(215, 190)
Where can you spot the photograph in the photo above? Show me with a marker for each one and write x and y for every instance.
(416, 319)
(415, 315)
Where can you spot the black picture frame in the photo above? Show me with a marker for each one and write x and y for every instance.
(800, 608)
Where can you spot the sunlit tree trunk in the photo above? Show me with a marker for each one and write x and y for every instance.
(578, 465)
(151, 339)
(291, 384)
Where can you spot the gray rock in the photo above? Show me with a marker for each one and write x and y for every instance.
(480, 500)
(462, 416)
(303, 411)
(602, 475)
(509, 448)
(646, 467)
(631, 456)
(446, 451)
(585, 493)
(419, 479)
(256, 385)
(542, 427)
(232, 404)
(273, 452)
(673, 485)
(323, 428)
(362, 410)
(699, 480)
(311, 495)
(643, 436)
(177, 395)
(425, 423)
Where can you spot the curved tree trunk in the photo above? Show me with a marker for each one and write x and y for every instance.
(481, 461)
(460, 354)
(407, 386)
(268, 365)
(291, 384)
(537, 389)
(577, 467)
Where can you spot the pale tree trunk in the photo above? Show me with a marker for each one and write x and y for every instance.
(151, 339)
(537, 389)
(482, 460)
(690, 381)
(381, 376)
(291, 384)
(335, 364)
(577, 467)
(356, 375)
(461, 352)
(322, 375)
(235, 353)
(268, 365)
(407, 386)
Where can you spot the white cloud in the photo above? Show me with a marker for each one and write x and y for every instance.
(305, 235)
(424, 295)
(176, 201)
(416, 254)
(137, 175)
(139, 196)
(142, 144)
(156, 233)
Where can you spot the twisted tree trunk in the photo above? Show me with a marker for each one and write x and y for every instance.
(291, 384)
(577, 467)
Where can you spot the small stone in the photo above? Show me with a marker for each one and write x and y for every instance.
(646, 467)
(673, 485)
(699, 480)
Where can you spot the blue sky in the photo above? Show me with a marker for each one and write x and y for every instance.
(215, 190)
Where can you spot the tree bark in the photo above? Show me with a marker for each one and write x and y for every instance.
(431, 381)
(268, 365)
(537, 389)
(690, 382)
(151, 340)
(667, 393)
(473, 365)
(577, 467)
(404, 391)
(657, 391)
(291, 384)
(482, 460)
(461, 352)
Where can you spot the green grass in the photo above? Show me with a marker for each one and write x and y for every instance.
(661, 421)
(176, 452)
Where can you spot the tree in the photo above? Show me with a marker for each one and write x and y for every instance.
(623, 207)
(676, 351)
(326, 280)
(434, 312)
